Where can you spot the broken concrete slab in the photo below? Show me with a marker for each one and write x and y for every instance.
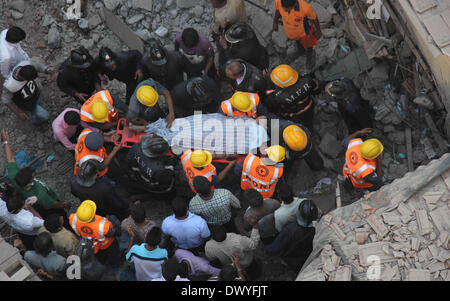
(123, 31)
(337, 231)
(280, 38)
(418, 275)
(343, 273)
(142, 4)
(377, 225)
(111, 4)
(441, 218)
(425, 227)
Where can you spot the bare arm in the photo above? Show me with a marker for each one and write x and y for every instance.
(276, 18)
(21, 114)
(112, 154)
(171, 116)
(8, 150)
(224, 172)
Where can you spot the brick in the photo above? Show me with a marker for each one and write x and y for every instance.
(391, 218)
(388, 273)
(337, 231)
(376, 249)
(404, 209)
(343, 273)
(361, 236)
(444, 238)
(418, 275)
(377, 225)
(443, 255)
(433, 250)
(425, 227)
(415, 243)
(437, 266)
(441, 218)
(327, 218)
(432, 197)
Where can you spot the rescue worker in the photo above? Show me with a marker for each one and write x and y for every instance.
(161, 65)
(100, 110)
(195, 94)
(125, 66)
(198, 163)
(150, 102)
(87, 224)
(152, 168)
(22, 92)
(90, 146)
(240, 42)
(77, 76)
(262, 172)
(301, 24)
(362, 168)
(356, 113)
(297, 140)
(243, 103)
(243, 76)
(290, 96)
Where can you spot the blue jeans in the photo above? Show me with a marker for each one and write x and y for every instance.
(39, 114)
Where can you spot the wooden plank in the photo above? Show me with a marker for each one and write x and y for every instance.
(123, 31)
(409, 150)
(437, 136)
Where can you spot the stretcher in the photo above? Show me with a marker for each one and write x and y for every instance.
(129, 137)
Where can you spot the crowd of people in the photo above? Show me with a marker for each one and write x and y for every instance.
(222, 212)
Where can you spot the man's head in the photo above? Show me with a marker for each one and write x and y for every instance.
(218, 233)
(138, 212)
(253, 198)
(43, 244)
(157, 53)
(288, 4)
(190, 37)
(307, 213)
(218, 3)
(15, 34)
(72, 118)
(6, 190)
(24, 178)
(26, 73)
(108, 58)
(203, 186)
(94, 141)
(153, 237)
(234, 70)
(285, 192)
(200, 92)
(154, 147)
(171, 269)
(336, 89)
(81, 58)
(53, 223)
(179, 207)
(15, 203)
(239, 32)
(228, 273)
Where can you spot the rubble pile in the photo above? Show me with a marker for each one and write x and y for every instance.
(387, 235)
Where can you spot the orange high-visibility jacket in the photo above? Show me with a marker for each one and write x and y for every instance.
(356, 167)
(256, 175)
(95, 231)
(227, 107)
(86, 109)
(82, 153)
(192, 172)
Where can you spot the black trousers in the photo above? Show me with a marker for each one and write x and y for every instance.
(111, 256)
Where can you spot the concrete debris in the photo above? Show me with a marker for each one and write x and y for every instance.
(18, 5)
(377, 225)
(279, 38)
(111, 4)
(425, 102)
(134, 19)
(343, 273)
(162, 32)
(187, 3)
(53, 37)
(330, 146)
(198, 11)
(425, 227)
(47, 20)
(94, 21)
(418, 275)
(142, 4)
(16, 15)
(83, 23)
(323, 15)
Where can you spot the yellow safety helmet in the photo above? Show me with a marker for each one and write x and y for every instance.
(201, 158)
(371, 149)
(276, 153)
(86, 211)
(147, 96)
(242, 102)
(295, 138)
(100, 111)
(284, 76)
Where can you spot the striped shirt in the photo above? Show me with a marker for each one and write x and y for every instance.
(147, 263)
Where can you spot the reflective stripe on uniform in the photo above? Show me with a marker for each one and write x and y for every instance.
(74, 225)
(210, 174)
(362, 169)
(229, 108)
(101, 229)
(356, 142)
(247, 173)
(252, 97)
(89, 157)
(183, 162)
(87, 115)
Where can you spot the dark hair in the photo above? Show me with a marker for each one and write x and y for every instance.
(253, 198)
(179, 207)
(15, 35)
(153, 237)
(15, 203)
(43, 244)
(52, 223)
(228, 273)
(218, 233)
(308, 211)
(24, 177)
(138, 212)
(72, 118)
(190, 37)
(202, 185)
(288, 3)
(6, 189)
(285, 192)
(27, 72)
(170, 269)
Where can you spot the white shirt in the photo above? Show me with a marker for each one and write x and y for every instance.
(286, 214)
(10, 55)
(241, 79)
(3, 210)
(25, 222)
